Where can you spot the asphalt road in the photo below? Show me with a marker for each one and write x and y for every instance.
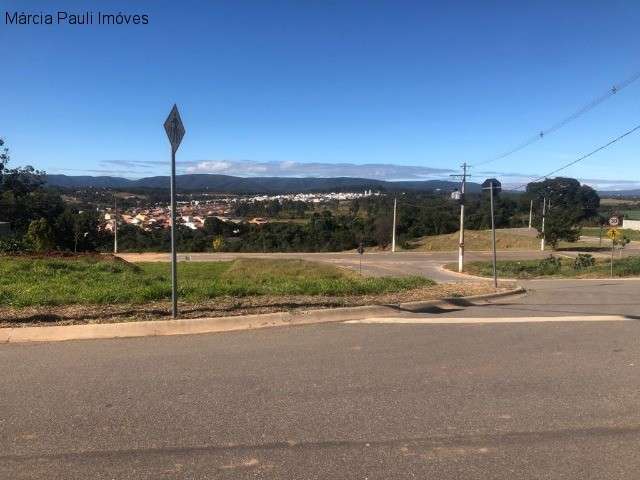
(344, 401)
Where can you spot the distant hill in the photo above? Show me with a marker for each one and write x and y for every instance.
(255, 185)
(619, 193)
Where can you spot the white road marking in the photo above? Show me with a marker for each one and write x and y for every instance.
(481, 320)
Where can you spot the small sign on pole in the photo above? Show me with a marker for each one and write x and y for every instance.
(614, 235)
(614, 221)
(361, 252)
(174, 128)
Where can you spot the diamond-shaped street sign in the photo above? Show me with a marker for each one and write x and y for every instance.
(174, 128)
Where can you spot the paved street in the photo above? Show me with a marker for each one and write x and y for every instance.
(377, 401)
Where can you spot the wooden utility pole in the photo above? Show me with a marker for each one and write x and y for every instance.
(544, 211)
(393, 237)
(115, 225)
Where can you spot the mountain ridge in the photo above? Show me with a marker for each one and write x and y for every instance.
(254, 185)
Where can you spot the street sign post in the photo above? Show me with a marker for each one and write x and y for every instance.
(614, 234)
(494, 187)
(174, 128)
(361, 252)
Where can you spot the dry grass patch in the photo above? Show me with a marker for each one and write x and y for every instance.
(506, 239)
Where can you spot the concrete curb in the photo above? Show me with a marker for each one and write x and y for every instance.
(224, 324)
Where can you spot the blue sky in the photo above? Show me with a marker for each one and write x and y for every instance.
(394, 89)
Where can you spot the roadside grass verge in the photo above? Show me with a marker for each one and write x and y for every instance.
(85, 280)
(555, 267)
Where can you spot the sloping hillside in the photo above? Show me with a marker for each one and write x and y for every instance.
(506, 239)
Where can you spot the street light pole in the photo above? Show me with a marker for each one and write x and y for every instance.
(393, 238)
(493, 234)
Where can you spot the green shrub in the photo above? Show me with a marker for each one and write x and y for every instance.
(12, 245)
(583, 260)
(549, 265)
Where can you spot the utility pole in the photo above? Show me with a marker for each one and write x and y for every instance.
(462, 199)
(115, 225)
(544, 211)
(530, 213)
(393, 238)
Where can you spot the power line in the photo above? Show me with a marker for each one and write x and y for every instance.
(593, 152)
(558, 125)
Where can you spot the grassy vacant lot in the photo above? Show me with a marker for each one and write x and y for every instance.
(513, 238)
(28, 282)
(558, 267)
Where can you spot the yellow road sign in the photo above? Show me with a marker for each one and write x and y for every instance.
(614, 233)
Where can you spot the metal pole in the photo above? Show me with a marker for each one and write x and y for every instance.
(493, 233)
(115, 225)
(544, 211)
(530, 213)
(461, 242)
(174, 260)
(393, 238)
(600, 244)
(612, 245)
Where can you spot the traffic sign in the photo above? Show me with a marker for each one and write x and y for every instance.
(614, 233)
(174, 127)
(175, 131)
(492, 182)
(614, 221)
(361, 248)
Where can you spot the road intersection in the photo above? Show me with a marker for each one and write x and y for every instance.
(539, 385)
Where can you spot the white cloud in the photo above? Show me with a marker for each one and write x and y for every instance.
(250, 168)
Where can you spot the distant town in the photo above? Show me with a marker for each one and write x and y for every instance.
(193, 213)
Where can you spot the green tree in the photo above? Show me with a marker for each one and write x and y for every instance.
(567, 204)
(4, 155)
(23, 197)
(383, 230)
(40, 235)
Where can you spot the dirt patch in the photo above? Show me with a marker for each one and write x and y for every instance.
(225, 306)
